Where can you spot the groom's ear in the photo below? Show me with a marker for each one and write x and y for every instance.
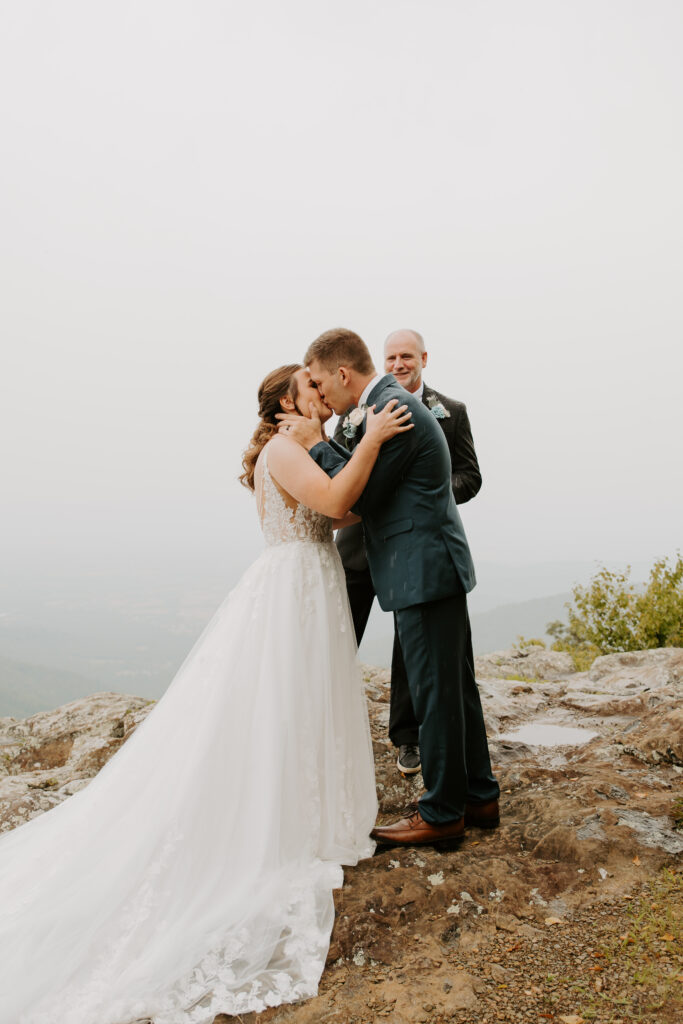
(345, 376)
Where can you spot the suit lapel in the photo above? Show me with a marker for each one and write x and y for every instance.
(371, 399)
(379, 387)
(428, 393)
(373, 396)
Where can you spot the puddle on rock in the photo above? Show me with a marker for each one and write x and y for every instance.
(543, 734)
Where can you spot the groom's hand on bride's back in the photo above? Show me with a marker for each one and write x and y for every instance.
(306, 432)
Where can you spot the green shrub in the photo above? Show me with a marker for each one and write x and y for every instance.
(523, 643)
(612, 615)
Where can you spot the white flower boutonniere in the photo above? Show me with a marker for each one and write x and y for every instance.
(352, 422)
(437, 408)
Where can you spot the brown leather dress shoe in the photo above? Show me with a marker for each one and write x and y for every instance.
(415, 831)
(483, 815)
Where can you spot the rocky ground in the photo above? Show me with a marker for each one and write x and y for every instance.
(572, 910)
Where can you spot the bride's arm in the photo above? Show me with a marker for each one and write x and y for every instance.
(348, 520)
(300, 476)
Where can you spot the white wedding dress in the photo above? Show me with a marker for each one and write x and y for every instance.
(194, 875)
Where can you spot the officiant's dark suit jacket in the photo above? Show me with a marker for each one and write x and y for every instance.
(415, 542)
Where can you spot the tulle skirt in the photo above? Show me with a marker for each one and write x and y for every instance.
(194, 875)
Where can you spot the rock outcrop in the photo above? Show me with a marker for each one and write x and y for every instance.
(591, 769)
(53, 754)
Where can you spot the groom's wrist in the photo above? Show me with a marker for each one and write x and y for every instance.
(313, 443)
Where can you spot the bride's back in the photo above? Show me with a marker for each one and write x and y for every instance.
(283, 518)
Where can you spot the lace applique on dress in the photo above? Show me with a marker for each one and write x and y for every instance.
(282, 524)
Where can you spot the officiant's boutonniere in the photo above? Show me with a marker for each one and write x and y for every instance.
(352, 422)
(437, 408)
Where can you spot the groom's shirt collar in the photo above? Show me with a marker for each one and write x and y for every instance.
(363, 400)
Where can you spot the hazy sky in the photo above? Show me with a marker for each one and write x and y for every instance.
(191, 191)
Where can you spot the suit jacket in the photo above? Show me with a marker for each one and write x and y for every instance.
(416, 545)
(465, 474)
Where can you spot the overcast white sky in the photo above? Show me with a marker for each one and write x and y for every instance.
(191, 191)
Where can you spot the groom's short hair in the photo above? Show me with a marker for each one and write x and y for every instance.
(340, 347)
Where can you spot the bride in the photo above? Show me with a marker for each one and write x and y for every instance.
(194, 875)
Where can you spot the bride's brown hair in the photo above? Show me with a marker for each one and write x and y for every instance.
(276, 385)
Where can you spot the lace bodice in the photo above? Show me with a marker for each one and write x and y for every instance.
(282, 524)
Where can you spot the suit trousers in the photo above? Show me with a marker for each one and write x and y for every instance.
(403, 725)
(361, 592)
(456, 768)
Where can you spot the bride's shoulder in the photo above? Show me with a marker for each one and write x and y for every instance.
(287, 461)
(282, 448)
(276, 441)
(271, 446)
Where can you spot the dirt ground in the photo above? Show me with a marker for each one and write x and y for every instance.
(571, 911)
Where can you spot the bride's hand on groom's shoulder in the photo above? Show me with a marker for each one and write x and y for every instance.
(306, 432)
(390, 421)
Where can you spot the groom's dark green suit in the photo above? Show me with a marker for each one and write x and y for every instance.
(422, 569)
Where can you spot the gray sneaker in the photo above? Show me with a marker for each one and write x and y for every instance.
(408, 762)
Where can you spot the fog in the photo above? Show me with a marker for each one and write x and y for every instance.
(190, 193)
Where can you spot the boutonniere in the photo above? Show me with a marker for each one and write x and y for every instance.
(353, 421)
(437, 408)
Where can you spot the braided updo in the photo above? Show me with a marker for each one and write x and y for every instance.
(276, 385)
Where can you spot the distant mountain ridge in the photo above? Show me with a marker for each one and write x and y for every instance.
(492, 630)
(497, 629)
(26, 689)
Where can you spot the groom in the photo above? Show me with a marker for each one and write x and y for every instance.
(405, 356)
(422, 569)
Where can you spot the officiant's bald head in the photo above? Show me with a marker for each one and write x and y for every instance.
(405, 356)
